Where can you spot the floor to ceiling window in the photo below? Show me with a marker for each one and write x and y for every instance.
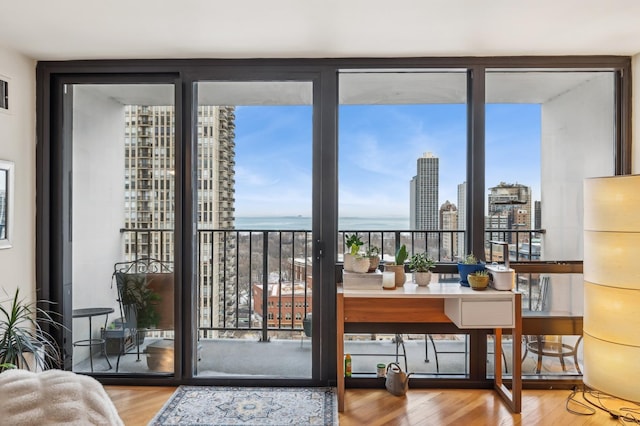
(122, 182)
(402, 171)
(241, 177)
(254, 212)
(546, 131)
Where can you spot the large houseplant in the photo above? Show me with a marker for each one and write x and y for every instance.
(24, 341)
(421, 265)
(137, 294)
(398, 266)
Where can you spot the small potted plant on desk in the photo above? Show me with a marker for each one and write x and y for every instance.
(469, 265)
(373, 253)
(479, 280)
(354, 261)
(398, 265)
(421, 265)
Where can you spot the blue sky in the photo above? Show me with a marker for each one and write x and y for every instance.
(379, 147)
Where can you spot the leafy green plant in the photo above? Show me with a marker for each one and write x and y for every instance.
(21, 333)
(481, 273)
(420, 262)
(136, 292)
(353, 243)
(401, 255)
(470, 259)
(373, 251)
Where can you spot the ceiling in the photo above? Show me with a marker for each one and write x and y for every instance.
(124, 29)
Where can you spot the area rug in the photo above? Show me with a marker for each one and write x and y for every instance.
(224, 405)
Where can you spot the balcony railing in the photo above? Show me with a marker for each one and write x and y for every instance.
(260, 281)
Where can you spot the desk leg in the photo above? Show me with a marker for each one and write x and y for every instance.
(512, 397)
(340, 349)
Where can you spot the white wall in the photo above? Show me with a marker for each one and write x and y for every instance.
(18, 144)
(577, 142)
(98, 203)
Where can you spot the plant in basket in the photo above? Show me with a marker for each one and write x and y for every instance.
(479, 280)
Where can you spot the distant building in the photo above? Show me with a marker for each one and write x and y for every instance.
(449, 221)
(537, 221)
(462, 218)
(149, 204)
(513, 203)
(424, 194)
(287, 302)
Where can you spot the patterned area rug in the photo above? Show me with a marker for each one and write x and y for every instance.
(218, 405)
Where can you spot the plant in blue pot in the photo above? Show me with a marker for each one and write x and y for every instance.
(469, 265)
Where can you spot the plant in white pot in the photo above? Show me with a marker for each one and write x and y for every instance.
(354, 261)
(421, 265)
(398, 265)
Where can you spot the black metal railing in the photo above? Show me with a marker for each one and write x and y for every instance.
(261, 280)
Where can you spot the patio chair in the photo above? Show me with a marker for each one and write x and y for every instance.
(145, 298)
(549, 345)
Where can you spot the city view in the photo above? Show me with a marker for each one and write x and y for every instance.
(401, 179)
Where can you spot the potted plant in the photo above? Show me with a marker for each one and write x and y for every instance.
(469, 265)
(373, 253)
(398, 265)
(136, 293)
(421, 265)
(23, 341)
(479, 280)
(354, 261)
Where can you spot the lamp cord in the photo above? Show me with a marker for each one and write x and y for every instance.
(624, 414)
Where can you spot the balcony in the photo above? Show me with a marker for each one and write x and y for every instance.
(237, 317)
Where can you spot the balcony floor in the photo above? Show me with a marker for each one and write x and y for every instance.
(291, 358)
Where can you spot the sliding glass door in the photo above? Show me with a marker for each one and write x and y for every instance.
(121, 180)
(254, 246)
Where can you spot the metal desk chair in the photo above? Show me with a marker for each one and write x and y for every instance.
(549, 345)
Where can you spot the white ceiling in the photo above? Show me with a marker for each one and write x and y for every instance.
(121, 29)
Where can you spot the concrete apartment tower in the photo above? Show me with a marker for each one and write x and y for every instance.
(448, 221)
(510, 208)
(150, 191)
(462, 218)
(424, 194)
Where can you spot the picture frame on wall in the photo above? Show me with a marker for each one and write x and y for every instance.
(6, 203)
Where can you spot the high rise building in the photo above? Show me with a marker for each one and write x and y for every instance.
(537, 221)
(512, 204)
(150, 191)
(424, 193)
(448, 221)
(462, 218)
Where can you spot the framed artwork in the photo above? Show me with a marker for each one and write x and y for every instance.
(6, 203)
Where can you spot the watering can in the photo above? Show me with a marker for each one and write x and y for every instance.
(397, 380)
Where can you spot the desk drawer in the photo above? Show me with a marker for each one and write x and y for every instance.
(485, 313)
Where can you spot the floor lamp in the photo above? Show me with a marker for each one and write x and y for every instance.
(612, 285)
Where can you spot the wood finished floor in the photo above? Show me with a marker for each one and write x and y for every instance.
(137, 405)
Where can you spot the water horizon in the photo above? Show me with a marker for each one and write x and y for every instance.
(345, 223)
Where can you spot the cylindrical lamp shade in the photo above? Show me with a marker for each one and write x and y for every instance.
(612, 285)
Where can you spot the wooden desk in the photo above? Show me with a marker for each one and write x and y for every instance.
(438, 303)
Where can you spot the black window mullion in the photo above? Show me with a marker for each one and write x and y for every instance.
(474, 236)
